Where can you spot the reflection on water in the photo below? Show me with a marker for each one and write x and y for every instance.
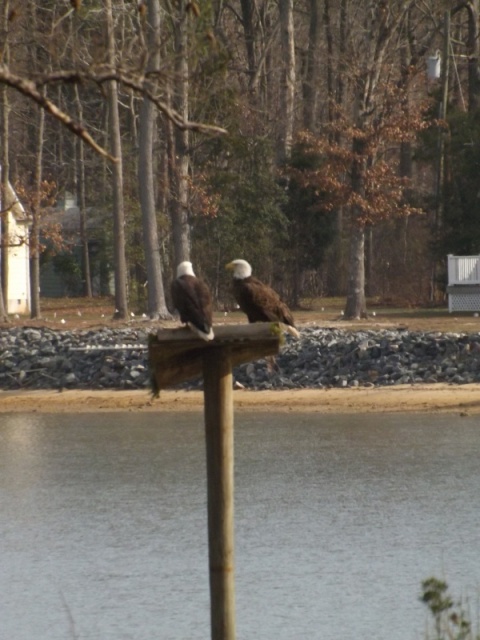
(338, 519)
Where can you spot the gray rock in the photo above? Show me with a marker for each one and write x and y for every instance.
(118, 359)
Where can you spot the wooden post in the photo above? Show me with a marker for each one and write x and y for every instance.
(217, 376)
(177, 355)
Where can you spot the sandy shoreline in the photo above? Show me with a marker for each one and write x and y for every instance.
(437, 398)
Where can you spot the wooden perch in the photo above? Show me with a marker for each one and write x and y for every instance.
(177, 355)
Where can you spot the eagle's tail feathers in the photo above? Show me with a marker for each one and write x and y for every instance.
(204, 335)
(292, 331)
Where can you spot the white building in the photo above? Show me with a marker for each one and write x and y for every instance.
(463, 283)
(18, 293)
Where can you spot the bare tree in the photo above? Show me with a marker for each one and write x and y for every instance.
(180, 152)
(381, 22)
(36, 221)
(4, 210)
(82, 205)
(5, 172)
(287, 88)
(335, 95)
(248, 8)
(80, 175)
(36, 196)
(120, 263)
(310, 85)
(4, 213)
(472, 8)
(157, 307)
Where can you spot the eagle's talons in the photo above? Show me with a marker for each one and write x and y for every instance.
(276, 329)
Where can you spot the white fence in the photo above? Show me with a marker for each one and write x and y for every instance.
(463, 270)
(463, 283)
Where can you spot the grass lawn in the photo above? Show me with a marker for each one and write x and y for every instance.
(84, 313)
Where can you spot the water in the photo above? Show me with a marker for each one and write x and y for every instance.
(338, 520)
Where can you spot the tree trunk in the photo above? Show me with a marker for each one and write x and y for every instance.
(336, 92)
(181, 158)
(87, 280)
(121, 304)
(327, 21)
(5, 214)
(369, 261)
(375, 40)
(37, 58)
(356, 307)
(287, 89)
(35, 228)
(473, 52)
(5, 174)
(3, 242)
(310, 88)
(405, 162)
(248, 30)
(339, 252)
(157, 307)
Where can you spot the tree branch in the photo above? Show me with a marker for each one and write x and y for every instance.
(137, 84)
(29, 88)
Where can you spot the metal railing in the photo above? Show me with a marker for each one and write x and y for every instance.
(463, 270)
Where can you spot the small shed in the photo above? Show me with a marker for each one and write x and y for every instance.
(463, 283)
(18, 293)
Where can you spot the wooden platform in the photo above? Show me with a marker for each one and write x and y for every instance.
(177, 355)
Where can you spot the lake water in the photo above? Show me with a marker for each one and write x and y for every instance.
(338, 520)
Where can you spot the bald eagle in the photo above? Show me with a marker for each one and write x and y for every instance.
(259, 301)
(193, 301)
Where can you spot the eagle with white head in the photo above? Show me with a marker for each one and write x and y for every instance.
(257, 300)
(193, 301)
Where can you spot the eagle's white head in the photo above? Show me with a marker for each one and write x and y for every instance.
(185, 269)
(241, 269)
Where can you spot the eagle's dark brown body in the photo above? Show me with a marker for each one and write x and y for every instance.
(260, 302)
(193, 301)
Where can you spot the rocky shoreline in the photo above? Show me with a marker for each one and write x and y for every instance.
(109, 358)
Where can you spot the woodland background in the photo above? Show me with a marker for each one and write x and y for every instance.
(302, 135)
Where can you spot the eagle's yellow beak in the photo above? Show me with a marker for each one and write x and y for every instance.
(230, 266)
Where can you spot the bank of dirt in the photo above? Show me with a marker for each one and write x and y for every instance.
(436, 398)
